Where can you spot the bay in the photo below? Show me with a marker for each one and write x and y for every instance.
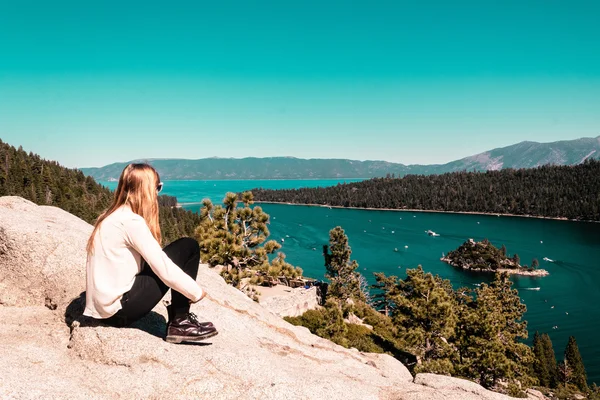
(191, 193)
(565, 304)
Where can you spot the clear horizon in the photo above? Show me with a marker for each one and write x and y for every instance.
(92, 84)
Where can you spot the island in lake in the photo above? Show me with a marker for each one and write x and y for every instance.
(484, 256)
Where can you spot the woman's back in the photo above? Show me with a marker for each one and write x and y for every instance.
(113, 263)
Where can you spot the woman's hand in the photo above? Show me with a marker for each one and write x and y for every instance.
(204, 294)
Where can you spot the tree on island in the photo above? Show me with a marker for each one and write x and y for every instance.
(503, 250)
(535, 263)
(345, 282)
(516, 259)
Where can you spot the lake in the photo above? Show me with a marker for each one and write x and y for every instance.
(567, 299)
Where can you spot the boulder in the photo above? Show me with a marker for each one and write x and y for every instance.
(461, 387)
(535, 395)
(353, 319)
(42, 254)
(285, 301)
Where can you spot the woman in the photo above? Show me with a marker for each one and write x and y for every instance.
(128, 272)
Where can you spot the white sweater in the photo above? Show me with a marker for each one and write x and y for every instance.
(120, 243)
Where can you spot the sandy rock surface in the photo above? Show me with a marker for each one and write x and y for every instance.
(285, 301)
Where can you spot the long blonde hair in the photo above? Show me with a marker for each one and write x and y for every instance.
(138, 189)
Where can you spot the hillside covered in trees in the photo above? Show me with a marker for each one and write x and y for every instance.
(571, 192)
(46, 182)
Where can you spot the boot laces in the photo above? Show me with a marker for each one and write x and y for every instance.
(194, 318)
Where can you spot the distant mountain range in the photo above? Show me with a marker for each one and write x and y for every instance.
(520, 155)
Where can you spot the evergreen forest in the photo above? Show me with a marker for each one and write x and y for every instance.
(571, 192)
(48, 183)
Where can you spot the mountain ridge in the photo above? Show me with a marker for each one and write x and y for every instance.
(526, 154)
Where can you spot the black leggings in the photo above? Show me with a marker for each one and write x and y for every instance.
(148, 289)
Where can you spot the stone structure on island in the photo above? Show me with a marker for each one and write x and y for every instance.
(48, 350)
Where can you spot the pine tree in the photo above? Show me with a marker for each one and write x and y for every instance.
(565, 372)
(425, 314)
(236, 238)
(382, 290)
(545, 366)
(540, 365)
(341, 271)
(573, 359)
(491, 348)
(550, 360)
(516, 259)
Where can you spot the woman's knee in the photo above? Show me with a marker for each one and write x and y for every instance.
(189, 244)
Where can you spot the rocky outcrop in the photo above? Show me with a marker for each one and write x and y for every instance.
(288, 302)
(353, 319)
(47, 353)
(42, 254)
(456, 385)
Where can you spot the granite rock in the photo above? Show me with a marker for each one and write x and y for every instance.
(58, 353)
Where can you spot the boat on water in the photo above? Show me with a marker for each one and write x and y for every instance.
(547, 259)
(532, 288)
(432, 233)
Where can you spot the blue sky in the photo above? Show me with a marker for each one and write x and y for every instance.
(413, 82)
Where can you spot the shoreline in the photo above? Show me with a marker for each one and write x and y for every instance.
(509, 271)
(428, 211)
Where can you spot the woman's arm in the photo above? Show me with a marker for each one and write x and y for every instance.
(140, 238)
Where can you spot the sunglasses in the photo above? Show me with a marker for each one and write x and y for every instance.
(159, 187)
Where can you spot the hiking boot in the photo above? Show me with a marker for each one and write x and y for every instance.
(171, 314)
(189, 329)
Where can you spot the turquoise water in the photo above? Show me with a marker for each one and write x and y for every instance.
(195, 191)
(568, 299)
